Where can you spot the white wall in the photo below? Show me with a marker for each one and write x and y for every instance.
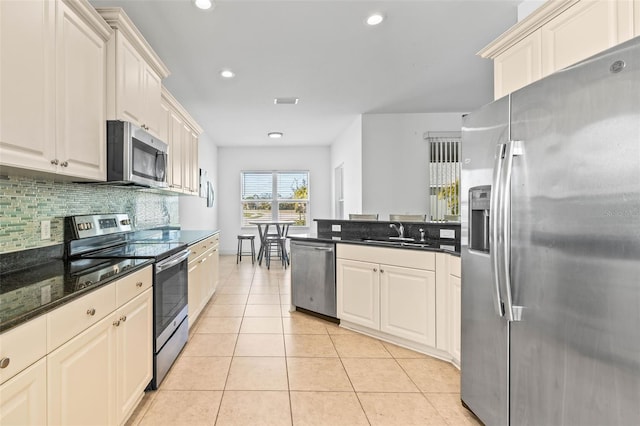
(395, 176)
(194, 213)
(232, 161)
(347, 150)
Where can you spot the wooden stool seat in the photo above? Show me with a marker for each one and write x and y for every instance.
(241, 238)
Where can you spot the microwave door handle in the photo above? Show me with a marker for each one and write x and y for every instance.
(161, 169)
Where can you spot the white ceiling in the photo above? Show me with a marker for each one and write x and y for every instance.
(422, 58)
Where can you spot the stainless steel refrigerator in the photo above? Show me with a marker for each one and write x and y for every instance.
(551, 249)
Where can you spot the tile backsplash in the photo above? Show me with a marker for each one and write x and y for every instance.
(25, 202)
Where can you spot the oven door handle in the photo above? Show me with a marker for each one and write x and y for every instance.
(172, 261)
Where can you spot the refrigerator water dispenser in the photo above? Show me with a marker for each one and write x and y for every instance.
(479, 214)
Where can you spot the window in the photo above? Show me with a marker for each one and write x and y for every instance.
(275, 196)
(444, 176)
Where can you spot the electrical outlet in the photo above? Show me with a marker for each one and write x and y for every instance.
(447, 233)
(336, 228)
(45, 230)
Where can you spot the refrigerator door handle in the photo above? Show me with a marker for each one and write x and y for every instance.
(513, 149)
(495, 231)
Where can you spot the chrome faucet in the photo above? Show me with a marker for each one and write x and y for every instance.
(399, 229)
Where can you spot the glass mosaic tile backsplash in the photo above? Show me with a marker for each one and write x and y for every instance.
(25, 202)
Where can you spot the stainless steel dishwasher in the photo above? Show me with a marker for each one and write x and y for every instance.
(313, 276)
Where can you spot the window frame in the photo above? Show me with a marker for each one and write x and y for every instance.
(275, 200)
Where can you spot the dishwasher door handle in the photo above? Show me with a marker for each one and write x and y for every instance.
(323, 248)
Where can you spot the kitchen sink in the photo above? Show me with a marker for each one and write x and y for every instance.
(397, 243)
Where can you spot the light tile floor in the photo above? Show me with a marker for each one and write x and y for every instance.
(251, 362)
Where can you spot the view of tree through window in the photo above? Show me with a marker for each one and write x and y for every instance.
(275, 196)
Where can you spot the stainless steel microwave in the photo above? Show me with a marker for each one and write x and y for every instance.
(135, 157)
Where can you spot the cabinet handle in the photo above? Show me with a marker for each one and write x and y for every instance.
(91, 312)
(4, 362)
(382, 271)
(123, 318)
(64, 163)
(139, 284)
(116, 323)
(55, 161)
(375, 270)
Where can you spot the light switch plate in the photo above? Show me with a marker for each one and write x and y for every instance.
(336, 228)
(447, 233)
(45, 230)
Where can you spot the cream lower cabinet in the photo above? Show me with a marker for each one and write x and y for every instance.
(23, 398)
(82, 378)
(396, 297)
(203, 274)
(99, 376)
(53, 88)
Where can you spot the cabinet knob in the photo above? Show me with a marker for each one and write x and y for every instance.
(64, 163)
(55, 161)
(375, 270)
(91, 312)
(4, 362)
(116, 323)
(123, 318)
(139, 284)
(382, 271)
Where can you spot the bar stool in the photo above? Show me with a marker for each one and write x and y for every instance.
(239, 254)
(276, 243)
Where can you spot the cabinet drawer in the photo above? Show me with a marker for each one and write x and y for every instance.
(74, 317)
(198, 249)
(22, 346)
(132, 285)
(417, 259)
(454, 266)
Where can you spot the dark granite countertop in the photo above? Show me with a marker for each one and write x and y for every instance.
(443, 246)
(36, 290)
(36, 281)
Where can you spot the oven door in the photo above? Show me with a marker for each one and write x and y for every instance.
(170, 296)
(148, 162)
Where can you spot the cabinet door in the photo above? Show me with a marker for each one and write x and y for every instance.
(175, 151)
(27, 84)
(408, 306)
(134, 353)
(456, 312)
(583, 30)
(195, 289)
(636, 18)
(152, 86)
(129, 84)
(23, 399)
(358, 291)
(81, 97)
(518, 66)
(187, 159)
(215, 269)
(81, 378)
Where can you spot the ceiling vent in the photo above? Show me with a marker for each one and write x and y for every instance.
(286, 101)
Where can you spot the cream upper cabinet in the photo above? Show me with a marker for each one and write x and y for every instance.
(52, 88)
(81, 101)
(182, 136)
(556, 35)
(586, 28)
(134, 74)
(518, 66)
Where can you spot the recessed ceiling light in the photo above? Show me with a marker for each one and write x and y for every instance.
(227, 74)
(275, 135)
(286, 101)
(203, 4)
(375, 19)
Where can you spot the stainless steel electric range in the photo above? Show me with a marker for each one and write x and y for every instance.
(111, 236)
